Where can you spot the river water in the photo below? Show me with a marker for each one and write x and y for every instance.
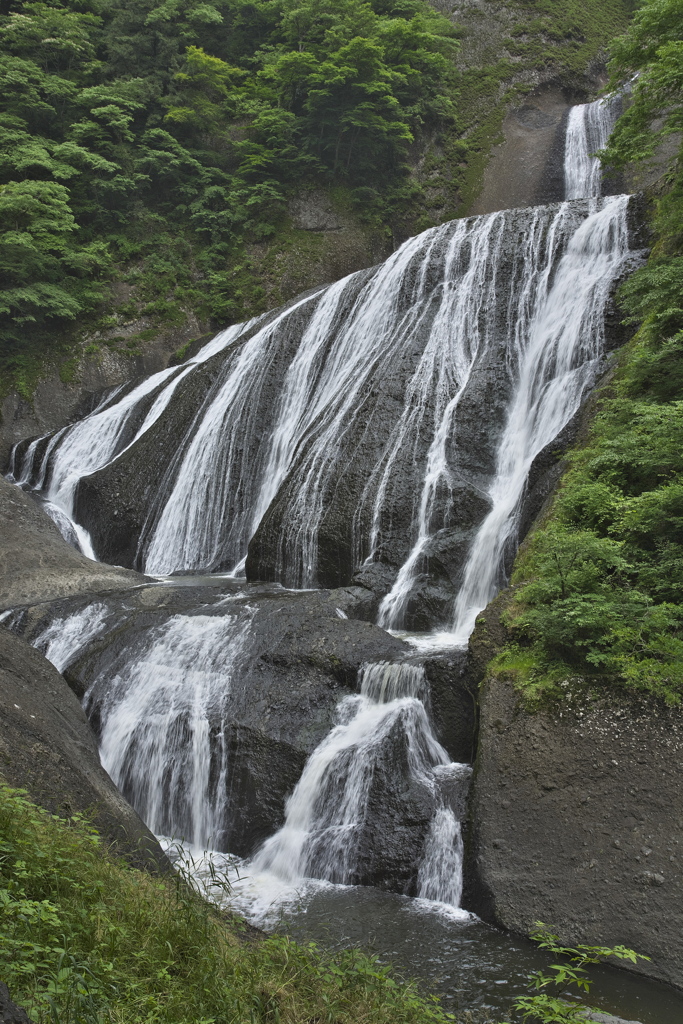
(468, 964)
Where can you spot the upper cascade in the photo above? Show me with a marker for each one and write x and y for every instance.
(381, 430)
(588, 128)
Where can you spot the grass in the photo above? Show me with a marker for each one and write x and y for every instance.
(86, 939)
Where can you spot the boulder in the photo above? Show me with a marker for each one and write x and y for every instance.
(48, 749)
(10, 1013)
(277, 675)
(576, 821)
(37, 564)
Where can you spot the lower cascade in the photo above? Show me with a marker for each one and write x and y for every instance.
(328, 810)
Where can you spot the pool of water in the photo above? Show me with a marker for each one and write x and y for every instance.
(467, 963)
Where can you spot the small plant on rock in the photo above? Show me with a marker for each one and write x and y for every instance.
(569, 975)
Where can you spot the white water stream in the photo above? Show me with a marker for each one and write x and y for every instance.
(588, 129)
(326, 813)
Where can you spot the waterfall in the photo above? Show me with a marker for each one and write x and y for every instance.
(93, 442)
(326, 814)
(556, 367)
(160, 709)
(62, 641)
(405, 406)
(588, 129)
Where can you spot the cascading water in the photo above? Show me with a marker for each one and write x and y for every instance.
(64, 638)
(326, 813)
(269, 458)
(588, 129)
(557, 366)
(93, 442)
(517, 297)
(160, 708)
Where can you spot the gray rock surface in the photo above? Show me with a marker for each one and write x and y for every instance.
(48, 748)
(577, 821)
(10, 1013)
(299, 659)
(61, 398)
(526, 168)
(37, 564)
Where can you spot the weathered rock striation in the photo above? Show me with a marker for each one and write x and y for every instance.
(37, 564)
(577, 816)
(48, 748)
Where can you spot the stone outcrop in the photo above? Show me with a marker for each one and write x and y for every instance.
(37, 564)
(301, 656)
(576, 817)
(64, 395)
(526, 167)
(10, 1013)
(48, 748)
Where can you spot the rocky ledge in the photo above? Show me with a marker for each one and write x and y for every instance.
(577, 816)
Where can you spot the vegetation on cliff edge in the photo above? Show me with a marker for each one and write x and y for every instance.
(601, 581)
(157, 146)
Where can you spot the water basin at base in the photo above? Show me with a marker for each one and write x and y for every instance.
(468, 964)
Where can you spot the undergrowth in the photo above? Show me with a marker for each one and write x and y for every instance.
(86, 939)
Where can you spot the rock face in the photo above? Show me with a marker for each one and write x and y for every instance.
(47, 748)
(10, 1013)
(276, 674)
(36, 563)
(526, 168)
(57, 401)
(577, 821)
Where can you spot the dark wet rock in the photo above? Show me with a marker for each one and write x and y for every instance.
(400, 808)
(452, 703)
(119, 503)
(302, 656)
(263, 772)
(114, 503)
(48, 748)
(356, 602)
(10, 1013)
(575, 815)
(37, 564)
(609, 1018)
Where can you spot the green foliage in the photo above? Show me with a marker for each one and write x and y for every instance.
(87, 940)
(600, 585)
(549, 1006)
(178, 132)
(652, 48)
(131, 129)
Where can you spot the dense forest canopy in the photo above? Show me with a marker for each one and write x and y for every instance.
(158, 147)
(170, 133)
